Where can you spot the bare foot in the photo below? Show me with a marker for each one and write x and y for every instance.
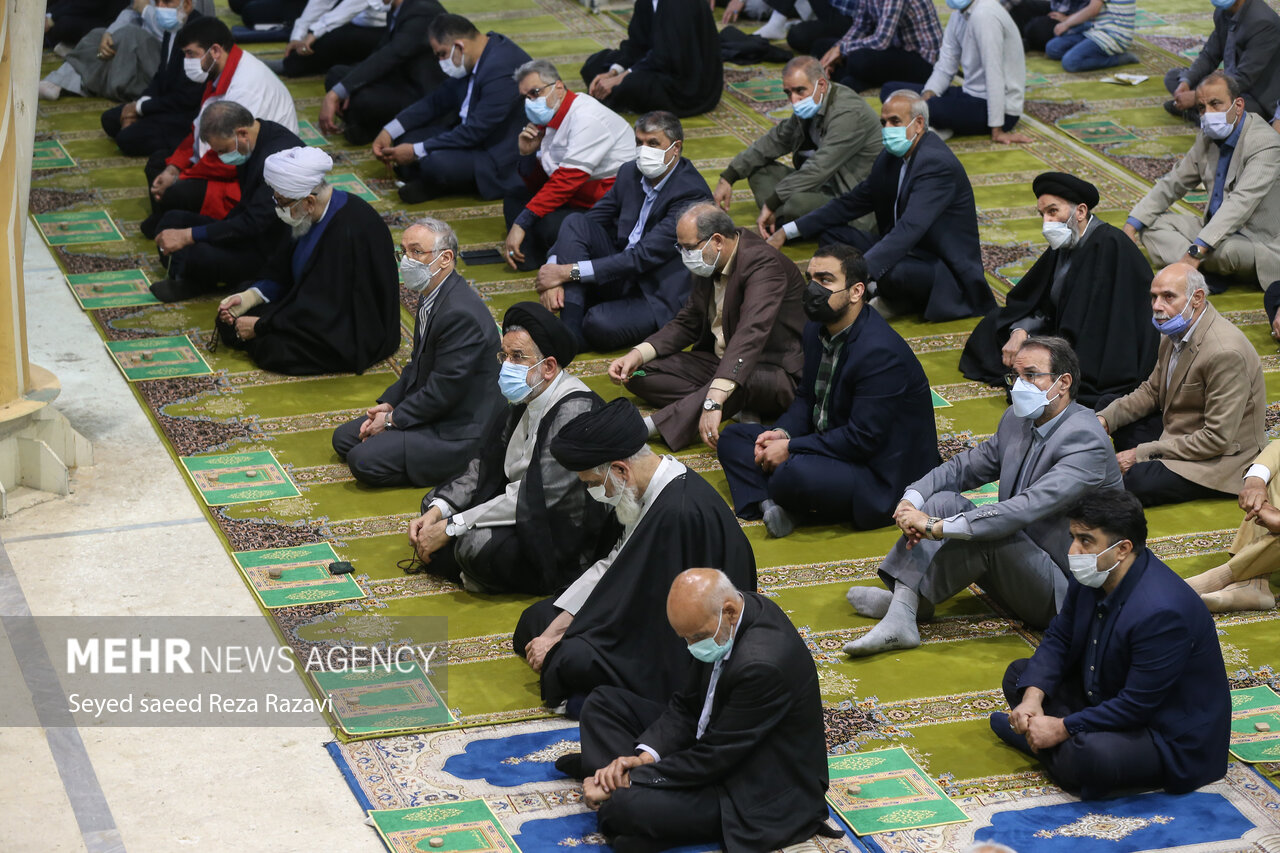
(1211, 580)
(1247, 595)
(592, 794)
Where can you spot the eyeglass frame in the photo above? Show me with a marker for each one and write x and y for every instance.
(1010, 379)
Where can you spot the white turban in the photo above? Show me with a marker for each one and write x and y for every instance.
(296, 172)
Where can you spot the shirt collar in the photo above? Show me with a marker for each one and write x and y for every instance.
(1186, 336)
(654, 189)
(831, 343)
(728, 265)
(562, 110)
(538, 405)
(1118, 596)
(1046, 429)
(1234, 136)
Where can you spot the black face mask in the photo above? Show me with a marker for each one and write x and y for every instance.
(817, 305)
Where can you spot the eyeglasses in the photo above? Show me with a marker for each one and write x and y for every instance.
(515, 357)
(1011, 378)
(534, 94)
(694, 247)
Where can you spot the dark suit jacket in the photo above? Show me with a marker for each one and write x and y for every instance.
(1160, 668)
(937, 218)
(450, 385)
(880, 410)
(170, 90)
(764, 748)
(254, 219)
(1257, 56)
(653, 262)
(763, 316)
(403, 53)
(495, 115)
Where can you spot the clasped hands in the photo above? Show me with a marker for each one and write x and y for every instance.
(427, 534)
(913, 523)
(1030, 721)
(392, 155)
(616, 774)
(603, 84)
(773, 447)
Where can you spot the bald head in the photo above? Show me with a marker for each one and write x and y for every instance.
(702, 600)
(1174, 288)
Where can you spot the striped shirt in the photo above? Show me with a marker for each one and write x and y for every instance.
(880, 24)
(832, 346)
(1112, 30)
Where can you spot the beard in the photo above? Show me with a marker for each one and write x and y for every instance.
(629, 507)
(300, 230)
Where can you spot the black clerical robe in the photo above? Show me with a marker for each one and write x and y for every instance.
(620, 635)
(335, 303)
(1102, 307)
(673, 53)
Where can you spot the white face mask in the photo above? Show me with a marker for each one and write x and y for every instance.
(1061, 235)
(696, 263)
(598, 492)
(415, 274)
(288, 217)
(1086, 570)
(457, 72)
(195, 72)
(652, 162)
(1028, 400)
(1217, 125)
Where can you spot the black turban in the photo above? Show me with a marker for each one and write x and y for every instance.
(612, 432)
(1069, 187)
(552, 337)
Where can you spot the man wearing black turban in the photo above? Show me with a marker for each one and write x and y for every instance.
(1091, 287)
(609, 626)
(515, 520)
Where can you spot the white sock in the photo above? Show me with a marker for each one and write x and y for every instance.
(648, 424)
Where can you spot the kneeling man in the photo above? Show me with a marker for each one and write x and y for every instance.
(1127, 689)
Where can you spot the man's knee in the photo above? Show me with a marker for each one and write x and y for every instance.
(624, 813)
(346, 437)
(738, 441)
(1012, 675)
(369, 466)
(111, 121)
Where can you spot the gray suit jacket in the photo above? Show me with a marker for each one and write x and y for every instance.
(1250, 199)
(1257, 57)
(1077, 458)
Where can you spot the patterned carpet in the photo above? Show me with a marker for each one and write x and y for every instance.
(933, 700)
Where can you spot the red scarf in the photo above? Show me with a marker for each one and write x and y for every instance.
(222, 192)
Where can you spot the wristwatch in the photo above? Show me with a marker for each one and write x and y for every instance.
(932, 523)
(1197, 252)
(387, 421)
(575, 274)
(709, 405)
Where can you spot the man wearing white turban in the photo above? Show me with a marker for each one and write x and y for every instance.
(328, 299)
(201, 251)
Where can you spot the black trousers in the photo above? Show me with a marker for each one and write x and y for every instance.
(207, 264)
(541, 236)
(148, 134)
(1094, 764)
(1032, 18)
(372, 106)
(573, 666)
(399, 457)
(348, 43)
(255, 12)
(827, 24)
(498, 567)
(868, 69)
(181, 195)
(641, 817)
(1174, 76)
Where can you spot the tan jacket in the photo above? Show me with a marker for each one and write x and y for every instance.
(1250, 200)
(1214, 408)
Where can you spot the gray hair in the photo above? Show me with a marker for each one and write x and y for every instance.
(709, 219)
(601, 470)
(919, 106)
(812, 68)
(542, 67)
(1195, 281)
(445, 238)
(661, 121)
(1062, 358)
(222, 119)
(723, 591)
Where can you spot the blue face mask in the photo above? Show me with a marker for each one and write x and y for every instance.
(1223, 4)
(961, 5)
(895, 140)
(234, 158)
(708, 650)
(513, 381)
(538, 111)
(167, 19)
(806, 108)
(1175, 325)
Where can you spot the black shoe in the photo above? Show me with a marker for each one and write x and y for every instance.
(570, 764)
(573, 706)
(1004, 731)
(1216, 283)
(416, 192)
(172, 290)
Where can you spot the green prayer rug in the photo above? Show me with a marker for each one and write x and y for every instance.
(384, 699)
(1255, 724)
(49, 154)
(310, 134)
(295, 576)
(468, 825)
(885, 790)
(158, 358)
(118, 289)
(238, 478)
(351, 183)
(69, 229)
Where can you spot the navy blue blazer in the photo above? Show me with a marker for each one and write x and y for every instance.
(1160, 668)
(936, 219)
(654, 262)
(170, 90)
(495, 115)
(881, 414)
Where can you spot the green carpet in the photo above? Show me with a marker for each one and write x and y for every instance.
(932, 700)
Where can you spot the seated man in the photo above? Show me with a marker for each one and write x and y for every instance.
(832, 137)
(1127, 690)
(199, 251)
(927, 258)
(745, 729)
(328, 33)
(670, 60)
(191, 177)
(461, 138)
(570, 154)
(861, 426)
(67, 21)
(615, 273)
(117, 61)
(743, 321)
(327, 301)
(367, 95)
(1236, 158)
(1096, 36)
(161, 117)
(429, 422)
(1243, 41)
(264, 13)
(1048, 451)
(1199, 419)
(1243, 582)
(887, 40)
(515, 520)
(1037, 19)
(1091, 287)
(982, 42)
(604, 628)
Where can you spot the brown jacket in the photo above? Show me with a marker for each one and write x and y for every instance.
(763, 314)
(1214, 408)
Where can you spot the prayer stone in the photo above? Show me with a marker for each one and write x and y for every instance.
(436, 841)
(97, 288)
(1262, 727)
(853, 790)
(274, 574)
(147, 355)
(251, 474)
